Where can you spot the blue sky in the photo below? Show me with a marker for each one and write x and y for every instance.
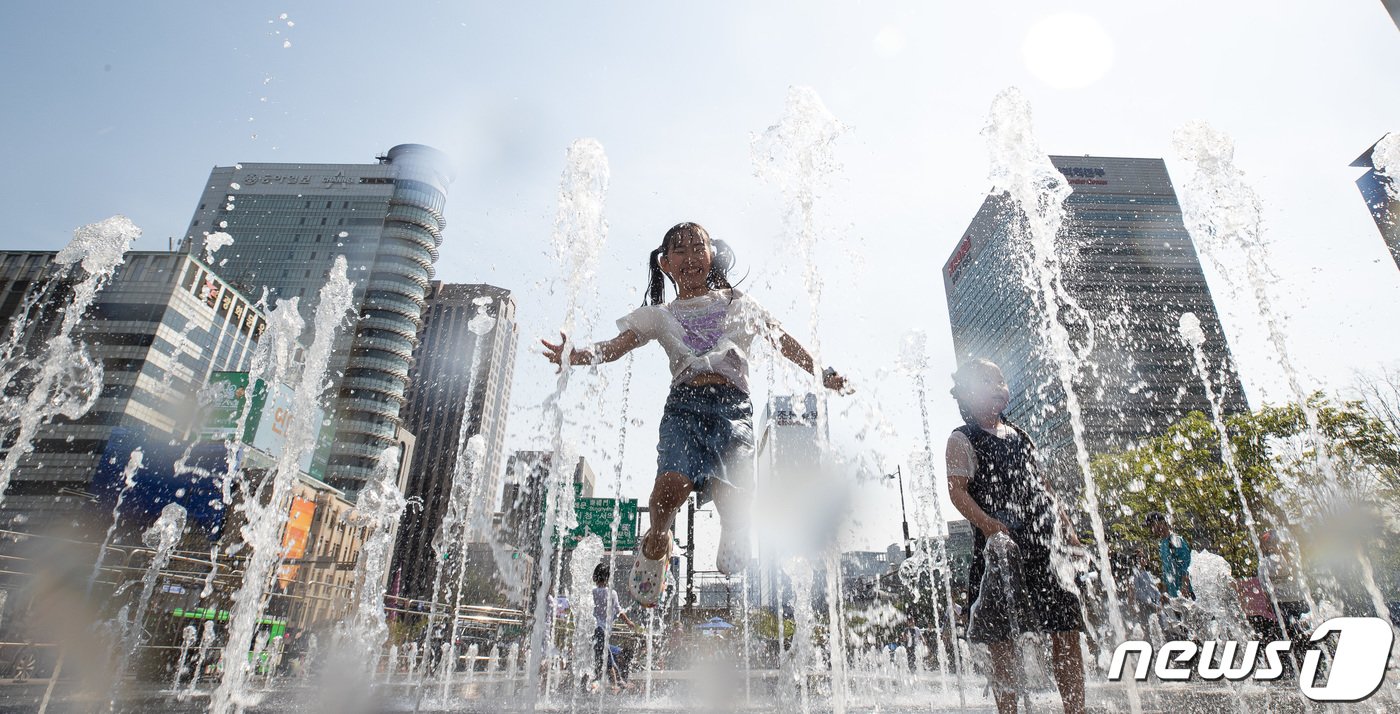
(124, 107)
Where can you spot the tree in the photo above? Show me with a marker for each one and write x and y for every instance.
(1281, 478)
(1380, 400)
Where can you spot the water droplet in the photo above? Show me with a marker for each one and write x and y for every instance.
(286, 44)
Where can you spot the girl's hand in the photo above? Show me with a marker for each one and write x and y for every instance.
(993, 527)
(555, 353)
(835, 382)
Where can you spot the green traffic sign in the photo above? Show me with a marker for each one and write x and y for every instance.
(595, 515)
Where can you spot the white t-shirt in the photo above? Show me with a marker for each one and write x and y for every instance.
(711, 333)
(605, 607)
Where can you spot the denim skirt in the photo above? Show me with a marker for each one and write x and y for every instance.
(707, 435)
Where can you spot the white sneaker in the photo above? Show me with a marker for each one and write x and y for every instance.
(647, 581)
(733, 557)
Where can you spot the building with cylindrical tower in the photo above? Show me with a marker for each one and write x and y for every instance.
(289, 222)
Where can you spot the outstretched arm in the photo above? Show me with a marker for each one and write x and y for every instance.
(798, 355)
(622, 614)
(599, 353)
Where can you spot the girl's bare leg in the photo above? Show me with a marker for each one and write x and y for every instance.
(667, 496)
(1069, 671)
(1004, 676)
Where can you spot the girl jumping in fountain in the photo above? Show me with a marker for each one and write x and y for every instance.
(706, 442)
(995, 482)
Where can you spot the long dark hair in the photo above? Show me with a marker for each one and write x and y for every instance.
(722, 261)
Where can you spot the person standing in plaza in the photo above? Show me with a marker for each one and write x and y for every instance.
(996, 483)
(1175, 555)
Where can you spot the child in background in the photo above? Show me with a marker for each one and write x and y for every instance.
(1175, 554)
(606, 611)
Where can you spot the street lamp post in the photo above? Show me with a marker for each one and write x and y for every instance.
(904, 515)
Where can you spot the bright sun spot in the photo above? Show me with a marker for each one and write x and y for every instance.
(889, 41)
(1068, 50)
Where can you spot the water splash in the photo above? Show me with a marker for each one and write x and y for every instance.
(467, 515)
(580, 228)
(797, 155)
(208, 588)
(273, 358)
(214, 242)
(1189, 328)
(266, 519)
(580, 231)
(802, 658)
(914, 361)
(586, 556)
(134, 463)
(378, 510)
(1224, 213)
(161, 538)
(187, 639)
(1022, 171)
(64, 378)
(206, 640)
(615, 524)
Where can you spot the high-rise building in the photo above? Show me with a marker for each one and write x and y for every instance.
(290, 221)
(1380, 194)
(523, 504)
(1132, 268)
(436, 409)
(160, 328)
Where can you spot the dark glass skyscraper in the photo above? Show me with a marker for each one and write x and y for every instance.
(436, 410)
(290, 221)
(1132, 268)
(1379, 194)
